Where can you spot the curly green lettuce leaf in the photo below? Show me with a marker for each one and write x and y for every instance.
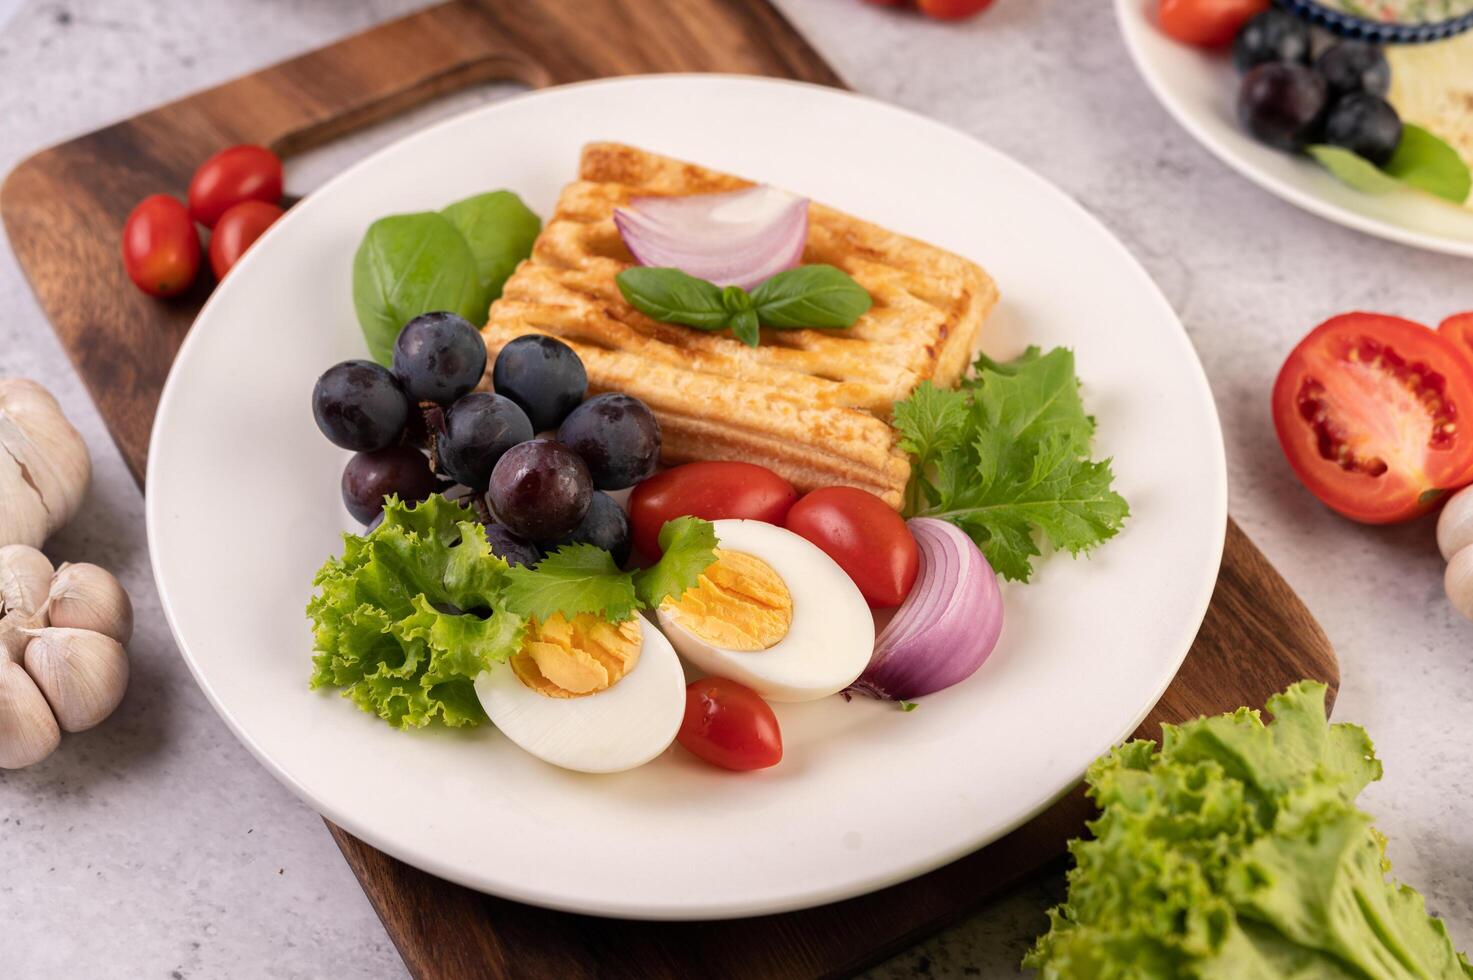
(1005, 457)
(410, 614)
(1235, 850)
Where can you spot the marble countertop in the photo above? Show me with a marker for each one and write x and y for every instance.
(155, 846)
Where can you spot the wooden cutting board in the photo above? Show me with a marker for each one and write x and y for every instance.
(64, 209)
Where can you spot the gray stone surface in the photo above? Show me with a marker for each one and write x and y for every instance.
(156, 847)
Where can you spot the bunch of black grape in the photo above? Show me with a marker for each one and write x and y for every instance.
(421, 428)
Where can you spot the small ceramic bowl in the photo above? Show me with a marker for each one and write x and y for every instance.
(1368, 28)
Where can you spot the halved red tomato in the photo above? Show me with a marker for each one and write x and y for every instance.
(1370, 411)
(1459, 329)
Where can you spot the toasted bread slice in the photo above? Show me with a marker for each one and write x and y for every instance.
(812, 405)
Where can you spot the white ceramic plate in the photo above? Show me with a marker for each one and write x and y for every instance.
(243, 507)
(1200, 90)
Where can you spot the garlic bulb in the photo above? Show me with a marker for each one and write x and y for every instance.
(87, 597)
(44, 465)
(28, 731)
(83, 674)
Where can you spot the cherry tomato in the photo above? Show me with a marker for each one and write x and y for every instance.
(160, 246)
(867, 538)
(729, 725)
(1372, 412)
(1207, 23)
(237, 230)
(1459, 329)
(711, 491)
(952, 9)
(235, 174)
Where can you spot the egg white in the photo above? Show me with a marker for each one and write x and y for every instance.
(832, 634)
(619, 728)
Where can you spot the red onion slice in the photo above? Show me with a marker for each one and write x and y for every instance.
(739, 238)
(946, 627)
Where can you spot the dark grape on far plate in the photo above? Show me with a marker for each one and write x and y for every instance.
(1282, 104)
(618, 438)
(370, 477)
(1364, 124)
(439, 357)
(359, 405)
(1271, 36)
(543, 375)
(540, 490)
(1354, 66)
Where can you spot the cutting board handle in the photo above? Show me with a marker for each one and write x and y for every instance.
(371, 76)
(324, 94)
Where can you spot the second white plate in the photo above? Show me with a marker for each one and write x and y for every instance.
(1200, 88)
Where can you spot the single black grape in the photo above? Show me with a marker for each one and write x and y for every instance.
(359, 405)
(370, 477)
(439, 357)
(605, 526)
(618, 438)
(1282, 104)
(543, 375)
(478, 430)
(1354, 66)
(1271, 36)
(540, 490)
(1364, 124)
(507, 545)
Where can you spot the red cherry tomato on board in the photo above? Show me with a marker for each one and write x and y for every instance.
(1373, 413)
(235, 174)
(951, 9)
(1207, 23)
(710, 490)
(729, 725)
(1459, 329)
(160, 246)
(237, 230)
(867, 538)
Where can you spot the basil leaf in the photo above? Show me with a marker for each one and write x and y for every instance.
(408, 264)
(810, 296)
(736, 299)
(500, 230)
(671, 296)
(744, 327)
(1354, 170)
(1426, 162)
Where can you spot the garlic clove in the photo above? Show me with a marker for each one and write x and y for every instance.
(13, 636)
(28, 731)
(88, 597)
(25, 578)
(44, 464)
(1457, 582)
(1455, 524)
(83, 674)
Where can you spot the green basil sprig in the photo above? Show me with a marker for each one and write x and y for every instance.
(808, 297)
(1421, 160)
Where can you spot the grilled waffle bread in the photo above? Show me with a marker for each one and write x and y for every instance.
(811, 405)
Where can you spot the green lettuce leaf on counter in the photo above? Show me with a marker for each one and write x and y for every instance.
(410, 614)
(1235, 850)
(1005, 457)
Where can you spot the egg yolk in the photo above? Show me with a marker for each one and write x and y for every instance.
(564, 658)
(739, 603)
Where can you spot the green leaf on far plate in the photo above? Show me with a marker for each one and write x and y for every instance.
(1422, 161)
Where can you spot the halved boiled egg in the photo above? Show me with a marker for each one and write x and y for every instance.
(775, 613)
(587, 694)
